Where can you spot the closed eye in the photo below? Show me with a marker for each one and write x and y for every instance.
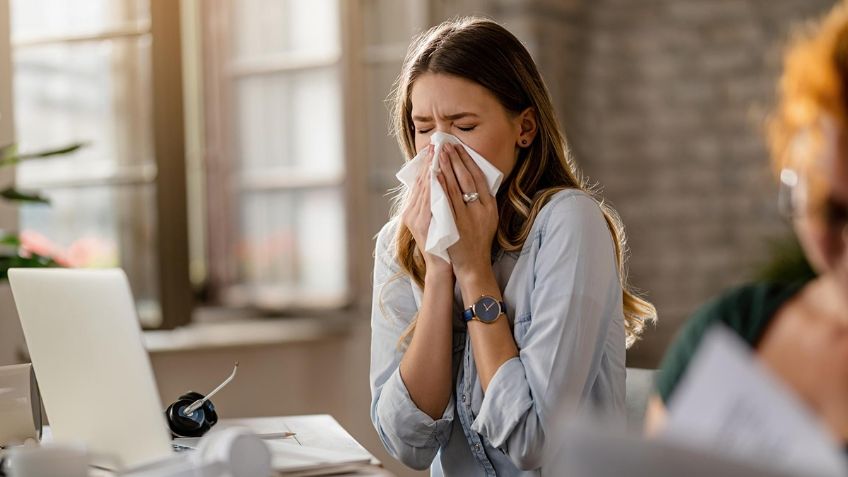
(466, 128)
(423, 131)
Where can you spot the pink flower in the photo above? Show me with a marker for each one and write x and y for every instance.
(33, 242)
(92, 252)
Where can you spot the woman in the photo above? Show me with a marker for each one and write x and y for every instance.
(798, 329)
(540, 265)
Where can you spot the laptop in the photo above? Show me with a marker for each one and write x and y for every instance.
(93, 371)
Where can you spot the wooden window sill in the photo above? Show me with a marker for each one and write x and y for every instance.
(247, 332)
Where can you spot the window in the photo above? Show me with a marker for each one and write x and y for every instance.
(298, 147)
(387, 27)
(90, 70)
(276, 152)
(260, 183)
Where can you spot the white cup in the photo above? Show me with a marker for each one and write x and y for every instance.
(20, 405)
(48, 461)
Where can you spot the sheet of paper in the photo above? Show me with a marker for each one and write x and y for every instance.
(730, 403)
(320, 445)
(288, 457)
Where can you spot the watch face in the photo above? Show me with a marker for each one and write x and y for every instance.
(487, 309)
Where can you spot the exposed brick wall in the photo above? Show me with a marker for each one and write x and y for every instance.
(663, 103)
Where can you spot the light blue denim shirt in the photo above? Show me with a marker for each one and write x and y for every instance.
(564, 302)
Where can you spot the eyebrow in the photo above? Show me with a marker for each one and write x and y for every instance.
(449, 116)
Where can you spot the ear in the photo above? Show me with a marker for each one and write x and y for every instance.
(527, 127)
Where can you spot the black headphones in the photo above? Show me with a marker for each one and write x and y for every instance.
(193, 414)
(193, 424)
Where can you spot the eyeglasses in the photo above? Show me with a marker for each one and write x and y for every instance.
(793, 202)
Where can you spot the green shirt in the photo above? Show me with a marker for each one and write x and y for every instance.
(747, 310)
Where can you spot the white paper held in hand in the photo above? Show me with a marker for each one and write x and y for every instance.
(443, 232)
(730, 403)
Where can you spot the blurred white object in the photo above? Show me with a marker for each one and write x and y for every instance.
(589, 450)
(232, 452)
(48, 461)
(443, 232)
(729, 403)
(241, 451)
(20, 404)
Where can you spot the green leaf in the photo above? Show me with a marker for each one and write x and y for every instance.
(8, 261)
(10, 239)
(11, 160)
(10, 193)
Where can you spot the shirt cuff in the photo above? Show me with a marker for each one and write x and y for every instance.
(401, 417)
(505, 403)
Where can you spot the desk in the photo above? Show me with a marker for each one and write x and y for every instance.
(320, 431)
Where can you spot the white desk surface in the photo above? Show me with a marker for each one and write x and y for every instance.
(319, 431)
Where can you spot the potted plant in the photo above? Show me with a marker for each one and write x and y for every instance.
(13, 252)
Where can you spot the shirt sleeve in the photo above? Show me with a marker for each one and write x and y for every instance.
(409, 434)
(576, 297)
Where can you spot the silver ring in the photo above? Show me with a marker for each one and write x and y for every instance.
(470, 197)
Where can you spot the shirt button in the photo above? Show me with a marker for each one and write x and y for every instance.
(463, 398)
(477, 447)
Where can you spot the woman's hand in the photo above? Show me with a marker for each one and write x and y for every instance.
(416, 217)
(477, 221)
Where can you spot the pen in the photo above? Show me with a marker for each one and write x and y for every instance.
(277, 435)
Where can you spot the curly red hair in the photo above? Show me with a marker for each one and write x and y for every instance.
(814, 85)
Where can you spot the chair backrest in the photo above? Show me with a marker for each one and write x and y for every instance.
(639, 387)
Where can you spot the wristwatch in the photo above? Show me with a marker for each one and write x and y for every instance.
(486, 310)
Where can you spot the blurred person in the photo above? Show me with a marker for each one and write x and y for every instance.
(797, 328)
(478, 397)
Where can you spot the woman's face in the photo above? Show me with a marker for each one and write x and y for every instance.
(465, 109)
(823, 227)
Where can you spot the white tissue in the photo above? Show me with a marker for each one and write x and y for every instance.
(443, 232)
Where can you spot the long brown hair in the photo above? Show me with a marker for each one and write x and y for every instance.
(484, 52)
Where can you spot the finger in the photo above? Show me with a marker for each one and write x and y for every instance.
(466, 181)
(425, 200)
(422, 171)
(480, 183)
(410, 209)
(453, 190)
(426, 180)
(415, 191)
(423, 176)
(440, 176)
